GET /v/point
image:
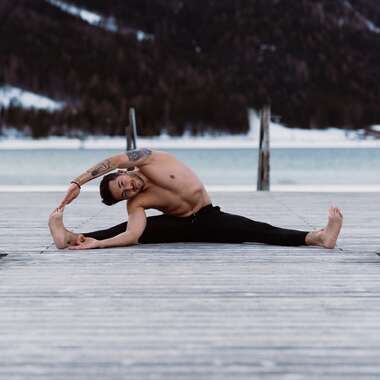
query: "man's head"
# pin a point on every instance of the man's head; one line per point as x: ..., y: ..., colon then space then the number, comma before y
x: 119, y: 186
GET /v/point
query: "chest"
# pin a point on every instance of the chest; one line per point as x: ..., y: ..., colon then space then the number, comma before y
x: 173, y: 177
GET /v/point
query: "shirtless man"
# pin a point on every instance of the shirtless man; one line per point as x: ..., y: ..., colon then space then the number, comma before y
x: 162, y: 182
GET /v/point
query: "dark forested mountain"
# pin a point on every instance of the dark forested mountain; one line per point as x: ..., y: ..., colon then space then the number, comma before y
x: 316, y: 62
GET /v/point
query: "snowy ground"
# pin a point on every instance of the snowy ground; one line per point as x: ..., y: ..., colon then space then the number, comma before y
x: 19, y: 97
x: 280, y: 136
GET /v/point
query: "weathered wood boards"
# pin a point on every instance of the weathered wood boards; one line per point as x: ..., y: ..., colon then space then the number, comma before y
x: 186, y: 311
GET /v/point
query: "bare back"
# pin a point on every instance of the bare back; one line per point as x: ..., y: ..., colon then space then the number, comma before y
x: 174, y: 188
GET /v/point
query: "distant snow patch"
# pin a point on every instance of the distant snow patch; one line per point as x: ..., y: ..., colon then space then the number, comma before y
x: 141, y: 36
x: 92, y: 18
x: 280, y: 134
x: 16, y: 96
x: 95, y: 19
x: 372, y: 27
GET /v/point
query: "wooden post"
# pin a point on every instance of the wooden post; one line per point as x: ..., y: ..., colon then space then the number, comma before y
x: 133, y: 127
x: 131, y: 131
x: 127, y: 129
x: 263, y: 178
x: 128, y: 137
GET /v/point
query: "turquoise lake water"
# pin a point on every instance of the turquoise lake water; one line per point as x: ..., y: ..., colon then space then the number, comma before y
x: 224, y: 167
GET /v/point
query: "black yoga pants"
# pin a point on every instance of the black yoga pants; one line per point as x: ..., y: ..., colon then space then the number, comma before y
x: 208, y: 225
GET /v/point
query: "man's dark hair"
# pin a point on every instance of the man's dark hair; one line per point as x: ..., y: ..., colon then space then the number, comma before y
x: 104, y: 188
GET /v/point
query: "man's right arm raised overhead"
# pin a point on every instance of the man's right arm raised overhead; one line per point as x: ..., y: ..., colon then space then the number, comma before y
x: 128, y: 160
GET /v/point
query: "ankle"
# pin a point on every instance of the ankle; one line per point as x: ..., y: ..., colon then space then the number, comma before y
x: 314, y: 238
x: 72, y: 238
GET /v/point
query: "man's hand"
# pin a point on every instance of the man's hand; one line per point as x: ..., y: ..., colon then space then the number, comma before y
x: 86, y: 243
x: 72, y: 192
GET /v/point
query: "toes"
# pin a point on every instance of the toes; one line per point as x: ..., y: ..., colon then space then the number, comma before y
x: 338, y: 212
x: 335, y: 212
x: 53, y: 214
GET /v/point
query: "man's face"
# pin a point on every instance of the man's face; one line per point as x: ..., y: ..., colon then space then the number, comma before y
x: 125, y: 186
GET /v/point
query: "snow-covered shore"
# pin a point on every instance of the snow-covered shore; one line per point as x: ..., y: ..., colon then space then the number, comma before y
x: 280, y: 136
x: 227, y: 142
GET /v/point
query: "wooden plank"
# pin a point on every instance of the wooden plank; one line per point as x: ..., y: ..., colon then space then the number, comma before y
x: 185, y: 311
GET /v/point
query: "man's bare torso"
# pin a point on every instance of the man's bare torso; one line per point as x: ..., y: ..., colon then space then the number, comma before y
x: 173, y: 188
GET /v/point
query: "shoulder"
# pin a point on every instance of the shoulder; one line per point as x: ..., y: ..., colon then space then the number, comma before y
x: 146, y: 155
x: 144, y: 201
x: 159, y: 155
x: 139, y: 154
x: 135, y: 203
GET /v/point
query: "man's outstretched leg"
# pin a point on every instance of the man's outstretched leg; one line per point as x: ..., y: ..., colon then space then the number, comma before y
x: 328, y: 236
x: 61, y: 236
x: 221, y: 227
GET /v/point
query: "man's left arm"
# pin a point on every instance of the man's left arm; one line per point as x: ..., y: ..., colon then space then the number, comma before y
x: 135, y: 228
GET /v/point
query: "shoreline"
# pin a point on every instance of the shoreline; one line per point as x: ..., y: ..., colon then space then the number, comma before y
x: 330, y: 188
x: 242, y: 143
x: 281, y: 137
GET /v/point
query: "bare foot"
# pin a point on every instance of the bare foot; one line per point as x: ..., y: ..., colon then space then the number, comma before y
x: 61, y: 236
x: 329, y: 235
x: 331, y: 232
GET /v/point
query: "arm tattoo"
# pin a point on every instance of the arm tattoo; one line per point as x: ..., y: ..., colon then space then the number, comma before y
x: 138, y: 154
x: 100, y: 168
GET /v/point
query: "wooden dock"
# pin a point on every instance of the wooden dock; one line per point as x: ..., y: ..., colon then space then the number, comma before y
x: 190, y: 311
